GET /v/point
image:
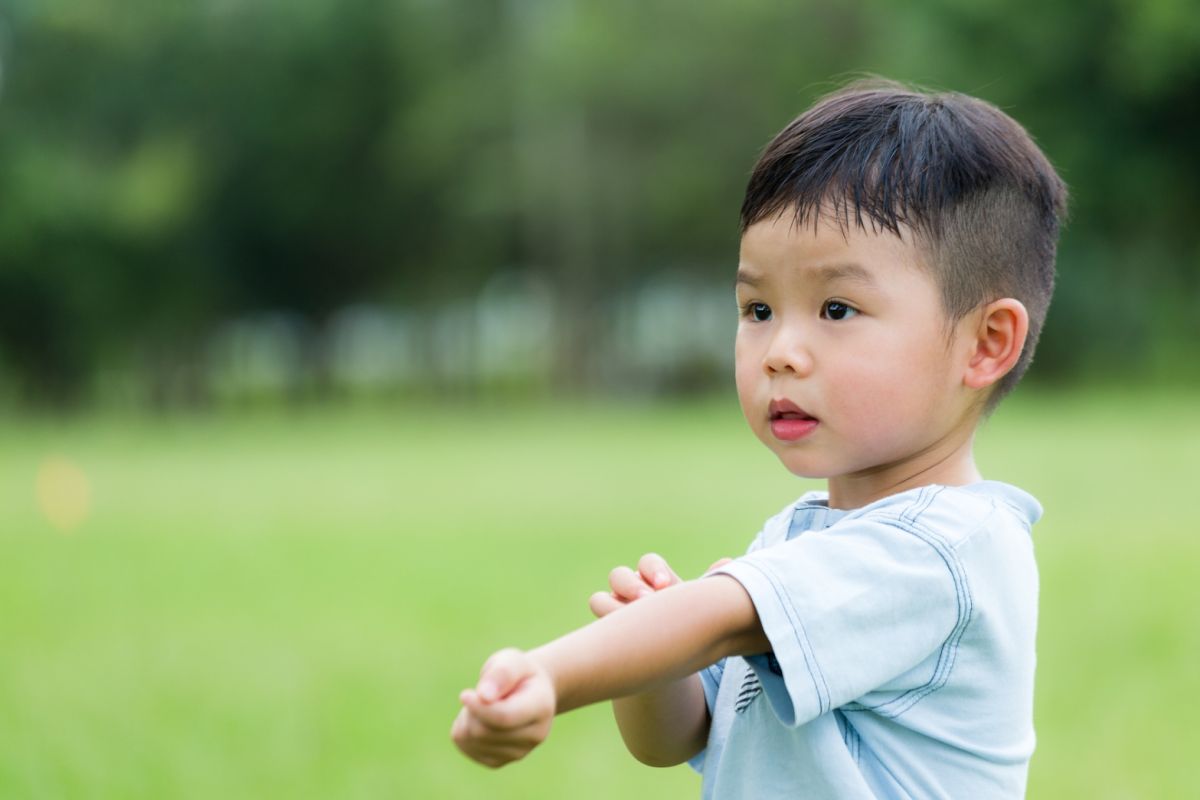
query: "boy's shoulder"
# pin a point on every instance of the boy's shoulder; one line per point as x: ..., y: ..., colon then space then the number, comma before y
x: 951, y: 512
x: 955, y: 511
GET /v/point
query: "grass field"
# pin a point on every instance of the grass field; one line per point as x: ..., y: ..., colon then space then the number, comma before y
x: 286, y: 605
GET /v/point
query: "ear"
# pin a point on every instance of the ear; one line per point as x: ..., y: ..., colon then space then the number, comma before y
x: 997, y: 343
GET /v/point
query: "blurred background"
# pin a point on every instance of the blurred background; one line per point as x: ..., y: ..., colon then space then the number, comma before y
x: 342, y: 343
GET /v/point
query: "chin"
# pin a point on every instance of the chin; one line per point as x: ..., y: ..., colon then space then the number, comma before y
x: 810, y: 471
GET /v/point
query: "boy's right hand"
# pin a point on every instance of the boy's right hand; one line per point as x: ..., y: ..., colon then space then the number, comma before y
x: 509, y: 711
x: 653, y: 574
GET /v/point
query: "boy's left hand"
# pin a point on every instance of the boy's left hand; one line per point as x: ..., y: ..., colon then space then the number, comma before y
x: 653, y: 575
x: 509, y: 711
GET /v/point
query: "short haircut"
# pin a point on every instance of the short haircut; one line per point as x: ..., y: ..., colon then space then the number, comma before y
x: 980, y: 197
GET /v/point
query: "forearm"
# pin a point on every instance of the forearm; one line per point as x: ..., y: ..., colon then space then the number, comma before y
x: 664, y: 726
x: 659, y: 639
x: 647, y: 645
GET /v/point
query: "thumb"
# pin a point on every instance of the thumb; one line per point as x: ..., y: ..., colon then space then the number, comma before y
x: 655, y: 571
x: 502, y: 673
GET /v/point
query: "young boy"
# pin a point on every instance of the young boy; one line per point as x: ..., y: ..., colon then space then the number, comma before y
x: 877, y: 640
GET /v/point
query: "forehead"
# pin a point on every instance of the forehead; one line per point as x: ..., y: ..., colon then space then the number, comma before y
x: 778, y: 248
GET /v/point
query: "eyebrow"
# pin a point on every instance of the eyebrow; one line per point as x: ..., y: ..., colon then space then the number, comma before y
x: 748, y: 278
x: 826, y: 274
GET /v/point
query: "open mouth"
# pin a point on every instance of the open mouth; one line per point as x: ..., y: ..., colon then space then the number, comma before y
x: 789, y: 421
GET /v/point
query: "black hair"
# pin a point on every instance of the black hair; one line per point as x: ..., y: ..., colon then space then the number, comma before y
x: 981, y: 198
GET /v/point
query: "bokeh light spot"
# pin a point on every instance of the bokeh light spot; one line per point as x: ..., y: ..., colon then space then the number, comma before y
x: 64, y: 493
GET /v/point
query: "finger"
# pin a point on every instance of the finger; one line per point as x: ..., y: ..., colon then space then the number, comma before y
x: 482, y: 734
x: 487, y: 754
x: 498, y: 716
x: 602, y: 604
x: 491, y: 747
x: 490, y: 759
x: 477, y: 721
x: 458, y: 730
x: 509, y: 714
x: 470, y: 735
x: 492, y: 659
x: 510, y: 753
x: 477, y: 729
x: 720, y: 562
x: 496, y: 757
x: 656, y: 572
x: 487, y: 664
x: 503, y: 672
x: 627, y: 584
x: 516, y: 742
x: 478, y: 718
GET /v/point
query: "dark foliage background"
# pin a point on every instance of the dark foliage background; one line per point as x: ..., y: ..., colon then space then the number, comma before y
x: 169, y: 169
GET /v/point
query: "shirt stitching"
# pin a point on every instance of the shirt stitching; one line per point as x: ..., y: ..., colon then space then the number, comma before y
x: 810, y: 659
x: 948, y: 652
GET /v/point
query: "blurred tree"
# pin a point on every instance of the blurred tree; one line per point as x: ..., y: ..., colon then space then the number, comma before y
x: 167, y: 166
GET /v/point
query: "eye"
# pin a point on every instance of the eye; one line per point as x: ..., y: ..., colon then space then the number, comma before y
x: 759, y: 312
x: 837, y: 310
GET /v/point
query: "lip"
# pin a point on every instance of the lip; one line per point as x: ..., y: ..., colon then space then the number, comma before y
x: 789, y: 422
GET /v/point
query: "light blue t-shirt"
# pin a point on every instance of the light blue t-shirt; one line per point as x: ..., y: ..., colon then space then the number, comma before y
x: 903, y: 652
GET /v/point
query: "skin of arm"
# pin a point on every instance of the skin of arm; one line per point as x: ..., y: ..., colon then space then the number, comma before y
x: 667, y: 725
x: 664, y: 726
x: 660, y: 640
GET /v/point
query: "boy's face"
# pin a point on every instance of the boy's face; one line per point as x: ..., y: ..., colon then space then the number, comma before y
x: 844, y: 368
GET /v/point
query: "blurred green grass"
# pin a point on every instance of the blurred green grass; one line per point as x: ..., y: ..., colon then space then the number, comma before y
x: 286, y: 604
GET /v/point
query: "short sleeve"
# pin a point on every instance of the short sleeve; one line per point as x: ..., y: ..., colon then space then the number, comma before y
x: 850, y: 608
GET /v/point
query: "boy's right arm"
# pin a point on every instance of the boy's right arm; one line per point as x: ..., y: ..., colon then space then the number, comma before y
x: 667, y: 725
x: 662, y: 639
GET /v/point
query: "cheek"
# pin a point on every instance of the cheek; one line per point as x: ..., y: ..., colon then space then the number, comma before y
x: 879, y: 393
x: 871, y: 402
x: 746, y: 390
x: 746, y: 366
x: 747, y: 374
x: 893, y: 393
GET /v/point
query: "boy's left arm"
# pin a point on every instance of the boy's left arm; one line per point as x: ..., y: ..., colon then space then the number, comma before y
x: 661, y: 638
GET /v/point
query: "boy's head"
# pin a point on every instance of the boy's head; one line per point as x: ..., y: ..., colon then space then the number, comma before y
x: 980, y: 199
x: 896, y: 264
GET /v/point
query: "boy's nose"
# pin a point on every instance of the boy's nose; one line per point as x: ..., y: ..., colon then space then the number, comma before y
x: 787, y: 353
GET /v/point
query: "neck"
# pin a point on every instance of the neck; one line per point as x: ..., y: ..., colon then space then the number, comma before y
x: 949, y: 461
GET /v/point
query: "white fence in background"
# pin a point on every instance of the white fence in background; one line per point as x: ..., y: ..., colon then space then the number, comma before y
x: 663, y: 333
